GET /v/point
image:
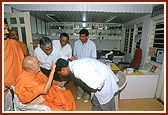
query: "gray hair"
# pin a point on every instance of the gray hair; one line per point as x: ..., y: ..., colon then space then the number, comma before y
x: 45, y: 42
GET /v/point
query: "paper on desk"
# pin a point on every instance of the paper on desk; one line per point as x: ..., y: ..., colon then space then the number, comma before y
x: 114, y: 67
x: 135, y: 73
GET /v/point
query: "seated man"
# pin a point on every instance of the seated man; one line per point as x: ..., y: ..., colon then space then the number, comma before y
x: 32, y: 86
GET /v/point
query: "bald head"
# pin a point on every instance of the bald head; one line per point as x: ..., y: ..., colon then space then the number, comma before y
x: 28, y: 61
x: 31, y: 64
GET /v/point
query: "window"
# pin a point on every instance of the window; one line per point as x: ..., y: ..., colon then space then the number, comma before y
x: 131, y: 40
x: 133, y: 36
x: 138, y: 36
x: 126, y: 40
x: 129, y: 35
x: 13, y: 21
x: 158, y: 38
x: 21, y: 19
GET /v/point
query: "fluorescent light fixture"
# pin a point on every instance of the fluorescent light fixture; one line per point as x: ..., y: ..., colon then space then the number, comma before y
x: 84, y: 16
x: 49, y: 16
x: 83, y: 24
x: 110, y: 18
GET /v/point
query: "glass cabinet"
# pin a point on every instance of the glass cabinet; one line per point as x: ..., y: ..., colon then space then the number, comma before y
x: 95, y: 29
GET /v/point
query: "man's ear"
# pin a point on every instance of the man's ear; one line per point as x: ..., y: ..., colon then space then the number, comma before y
x: 30, y: 67
x: 60, y: 72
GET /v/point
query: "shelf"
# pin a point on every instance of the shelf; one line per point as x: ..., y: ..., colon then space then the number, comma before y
x: 95, y: 29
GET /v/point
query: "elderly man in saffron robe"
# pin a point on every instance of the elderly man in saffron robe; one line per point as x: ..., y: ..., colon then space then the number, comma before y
x: 32, y: 86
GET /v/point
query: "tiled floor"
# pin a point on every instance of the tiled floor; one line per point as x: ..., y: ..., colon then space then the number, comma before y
x: 124, y: 105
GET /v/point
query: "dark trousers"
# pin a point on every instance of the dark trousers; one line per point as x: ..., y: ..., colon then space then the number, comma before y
x: 47, y: 73
x: 96, y: 106
x: 80, y: 83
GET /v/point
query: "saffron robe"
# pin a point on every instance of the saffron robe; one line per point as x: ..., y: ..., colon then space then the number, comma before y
x: 13, y: 57
x: 29, y: 86
x: 24, y: 48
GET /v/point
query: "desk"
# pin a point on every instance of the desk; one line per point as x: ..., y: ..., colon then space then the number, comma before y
x: 140, y: 86
x: 114, y: 68
x: 137, y: 73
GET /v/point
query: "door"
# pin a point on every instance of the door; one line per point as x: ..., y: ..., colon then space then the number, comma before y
x: 20, y: 21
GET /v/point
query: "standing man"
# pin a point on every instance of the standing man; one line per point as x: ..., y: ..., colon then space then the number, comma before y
x: 63, y: 47
x: 13, y: 57
x: 98, y: 76
x: 47, y: 54
x: 84, y: 48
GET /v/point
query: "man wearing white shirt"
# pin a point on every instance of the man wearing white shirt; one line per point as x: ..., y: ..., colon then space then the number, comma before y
x: 47, y: 54
x: 95, y: 74
x: 63, y: 47
x: 84, y: 48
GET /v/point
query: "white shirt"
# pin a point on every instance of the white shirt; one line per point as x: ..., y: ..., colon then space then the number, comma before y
x: 44, y: 59
x: 87, y: 49
x: 63, y: 52
x: 96, y: 75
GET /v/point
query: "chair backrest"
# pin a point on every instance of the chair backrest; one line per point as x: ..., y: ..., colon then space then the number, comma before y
x: 12, y: 104
x: 136, y: 61
x: 122, y: 80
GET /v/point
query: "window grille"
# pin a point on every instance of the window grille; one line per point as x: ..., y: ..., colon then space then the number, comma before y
x: 158, y: 41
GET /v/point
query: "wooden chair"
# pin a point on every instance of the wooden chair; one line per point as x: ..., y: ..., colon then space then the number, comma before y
x: 135, y: 63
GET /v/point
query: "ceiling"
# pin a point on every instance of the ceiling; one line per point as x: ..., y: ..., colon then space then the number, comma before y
x: 93, y: 13
x: 90, y: 16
